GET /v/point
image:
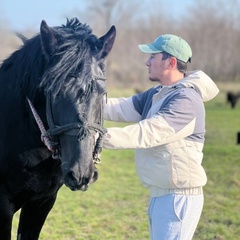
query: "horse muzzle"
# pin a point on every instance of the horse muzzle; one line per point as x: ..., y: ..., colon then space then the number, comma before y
x: 80, y: 182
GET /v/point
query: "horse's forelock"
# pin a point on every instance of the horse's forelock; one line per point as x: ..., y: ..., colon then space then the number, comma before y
x: 73, y: 56
x: 77, y: 26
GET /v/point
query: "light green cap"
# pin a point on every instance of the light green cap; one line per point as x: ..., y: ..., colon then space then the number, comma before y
x: 171, y: 44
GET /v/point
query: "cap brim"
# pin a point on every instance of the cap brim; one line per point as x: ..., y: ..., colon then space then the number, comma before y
x: 148, y: 48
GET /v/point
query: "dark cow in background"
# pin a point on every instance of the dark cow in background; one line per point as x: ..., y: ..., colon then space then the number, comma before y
x: 233, y: 98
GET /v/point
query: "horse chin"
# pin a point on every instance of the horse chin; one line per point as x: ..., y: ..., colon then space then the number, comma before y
x: 78, y: 187
x: 92, y: 180
x: 84, y: 188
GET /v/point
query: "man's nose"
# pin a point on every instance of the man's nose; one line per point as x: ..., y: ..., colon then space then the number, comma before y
x: 148, y: 62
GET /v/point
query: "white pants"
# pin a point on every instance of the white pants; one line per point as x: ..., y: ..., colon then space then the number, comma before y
x: 174, y: 217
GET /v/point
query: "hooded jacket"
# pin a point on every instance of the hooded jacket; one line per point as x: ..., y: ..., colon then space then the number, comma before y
x: 168, y: 134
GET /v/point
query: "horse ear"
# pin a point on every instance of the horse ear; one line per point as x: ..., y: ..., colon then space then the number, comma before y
x: 107, y: 41
x: 48, y: 39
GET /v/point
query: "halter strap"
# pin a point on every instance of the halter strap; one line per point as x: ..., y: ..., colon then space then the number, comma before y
x: 80, y: 129
x: 70, y: 128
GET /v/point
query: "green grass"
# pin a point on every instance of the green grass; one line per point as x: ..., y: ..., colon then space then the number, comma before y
x: 114, y: 208
x: 220, y: 218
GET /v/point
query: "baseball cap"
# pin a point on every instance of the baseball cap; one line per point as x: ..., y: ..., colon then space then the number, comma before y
x: 171, y: 44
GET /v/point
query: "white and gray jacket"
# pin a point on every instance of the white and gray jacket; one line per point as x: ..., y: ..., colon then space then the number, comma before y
x: 169, y: 133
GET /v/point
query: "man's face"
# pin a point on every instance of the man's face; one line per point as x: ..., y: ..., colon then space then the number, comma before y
x: 157, y: 67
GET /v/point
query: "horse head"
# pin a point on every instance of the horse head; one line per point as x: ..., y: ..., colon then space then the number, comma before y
x: 74, y: 84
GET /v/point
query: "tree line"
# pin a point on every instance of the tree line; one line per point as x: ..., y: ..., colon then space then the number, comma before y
x: 210, y: 26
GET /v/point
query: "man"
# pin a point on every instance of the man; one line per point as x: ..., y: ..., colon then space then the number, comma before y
x: 168, y: 137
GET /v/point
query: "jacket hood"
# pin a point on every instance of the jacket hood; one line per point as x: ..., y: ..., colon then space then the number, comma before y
x: 202, y: 83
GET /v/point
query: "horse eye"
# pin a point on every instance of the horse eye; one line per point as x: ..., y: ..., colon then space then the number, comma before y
x: 72, y: 75
x: 102, y: 66
x: 81, y: 90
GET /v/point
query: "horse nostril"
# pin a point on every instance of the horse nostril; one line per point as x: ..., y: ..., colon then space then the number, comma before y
x: 77, y: 181
x: 71, y: 176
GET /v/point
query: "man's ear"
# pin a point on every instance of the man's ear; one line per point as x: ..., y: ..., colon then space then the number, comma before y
x: 172, y: 63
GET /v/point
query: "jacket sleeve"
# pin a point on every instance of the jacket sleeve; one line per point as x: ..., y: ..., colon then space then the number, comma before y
x: 175, y: 121
x: 120, y: 110
x: 147, y: 133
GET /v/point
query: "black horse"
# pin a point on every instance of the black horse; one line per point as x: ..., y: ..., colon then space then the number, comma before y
x: 59, y: 73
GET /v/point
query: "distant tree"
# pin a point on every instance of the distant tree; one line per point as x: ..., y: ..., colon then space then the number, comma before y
x: 214, y: 37
x: 101, y: 14
x: 104, y: 13
x: 211, y: 27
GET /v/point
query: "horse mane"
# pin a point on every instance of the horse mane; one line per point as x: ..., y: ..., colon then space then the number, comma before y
x: 68, y: 68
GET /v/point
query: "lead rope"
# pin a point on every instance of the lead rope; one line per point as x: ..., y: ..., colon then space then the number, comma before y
x: 44, y: 134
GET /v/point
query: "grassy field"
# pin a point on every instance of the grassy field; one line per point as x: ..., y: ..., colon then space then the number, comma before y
x: 114, y: 208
